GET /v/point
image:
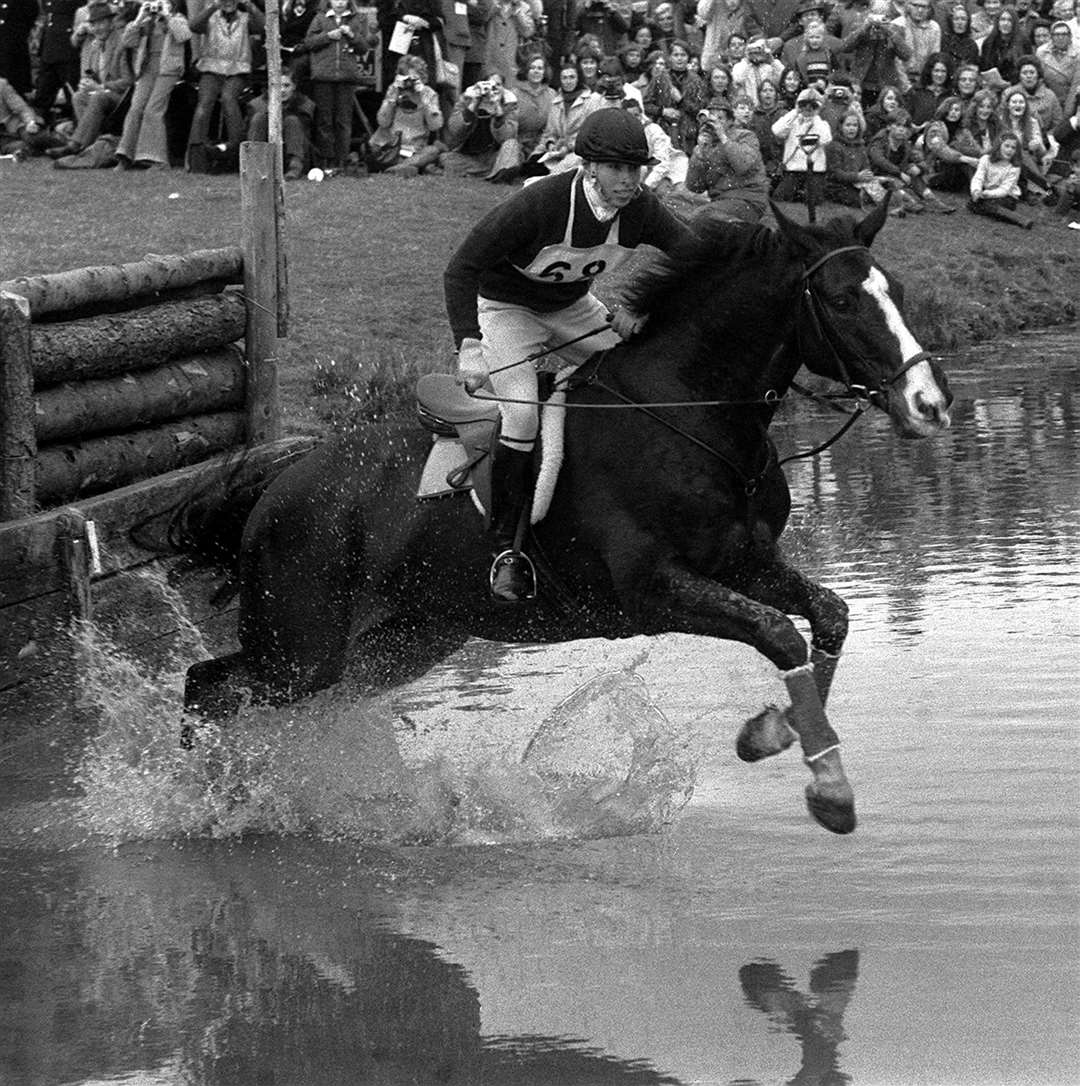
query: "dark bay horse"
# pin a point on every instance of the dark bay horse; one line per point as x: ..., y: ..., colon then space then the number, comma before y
x: 663, y: 519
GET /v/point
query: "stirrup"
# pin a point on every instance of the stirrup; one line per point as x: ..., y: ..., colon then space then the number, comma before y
x: 521, y: 573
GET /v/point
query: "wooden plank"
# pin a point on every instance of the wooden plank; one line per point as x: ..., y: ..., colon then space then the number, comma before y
x: 107, y: 346
x: 210, y: 381
x: 28, y: 563
x: 68, y: 290
x: 18, y: 447
x: 260, y: 289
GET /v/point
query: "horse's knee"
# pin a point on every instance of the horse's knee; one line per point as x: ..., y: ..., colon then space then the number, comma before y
x: 831, y: 625
x: 782, y: 643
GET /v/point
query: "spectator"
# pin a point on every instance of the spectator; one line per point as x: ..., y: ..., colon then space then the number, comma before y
x: 966, y: 82
x: 297, y: 113
x: 1040, y: 34
x: 839, y: 101
x: 157, y: 40
x: 22, y: 132
x: 1026, y: 20
x: 1067, y: 138
x: 680, y: 119
x: 633, y: 64
x: 810, y: 55
x: 720, y: 84
x: 643, y: 37
x: 1068, y: 190
x: 1003, y: 47
x: 410, y: 119
x: 423, y: 19
x: 848, y: 177
x: 560, y: 28
x: 722, y: 18
x: 981, y: 123
x: 1036, y: 152
x: 995, y: 185
x: 224, y: 66
x: 726, y: 164
x: 1041, y: 98
x: 805, y: 136
x: 792, y: 36
x: 1065, y: 11
x: 58, y: 59
x: 984, y: 18
x: 611, y: 86
x: 888, y: 105
x: 510, y: 24
x: 337, y: 39
x: 949, y: 157
x: 735, y: 51
x: 791, y: 86
x: 296, y: 17
x: 893, y: 158
x: 755, y: 68
x: 1060, y: 61
x: 609, y: 20
x: 458, y: 34
x: 660, y: 175
x: 765, y: 115
x: 873, y: 49
x: 573, y: 103
x: 935, y: 85
x: 922, y: 37
x: 482, y: 133
x: 588, y: 64
x: 535, y: 99
x: 106, y: 79
x: 956, y: 40
x: 17, y: 19
x: 664, y: 26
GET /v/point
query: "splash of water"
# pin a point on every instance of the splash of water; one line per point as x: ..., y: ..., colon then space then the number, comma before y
x: 603, y: 762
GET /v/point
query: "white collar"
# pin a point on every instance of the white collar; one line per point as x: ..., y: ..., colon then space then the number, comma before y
x: 601, y: 210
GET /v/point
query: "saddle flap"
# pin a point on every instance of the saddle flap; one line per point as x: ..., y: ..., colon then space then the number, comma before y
x: 442, y: 397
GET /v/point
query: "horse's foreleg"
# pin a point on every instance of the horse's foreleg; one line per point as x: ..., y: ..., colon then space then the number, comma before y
x: 691, y: 603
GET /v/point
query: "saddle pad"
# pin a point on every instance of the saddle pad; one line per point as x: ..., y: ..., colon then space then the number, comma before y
x: 447, y: 455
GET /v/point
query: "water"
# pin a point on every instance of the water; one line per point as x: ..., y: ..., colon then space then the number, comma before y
x: 451, y: 884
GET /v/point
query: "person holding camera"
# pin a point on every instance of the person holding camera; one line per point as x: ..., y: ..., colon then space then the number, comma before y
x: 482, y: 133
x: 872, y: 48
x: 157, y: 36
x: 224, y: 66
x: 607, y: 20
x: 727, y: 165
x: 410, y: 118
x: 757, y: 67
x: 519, y: 283
x: 805, y: 134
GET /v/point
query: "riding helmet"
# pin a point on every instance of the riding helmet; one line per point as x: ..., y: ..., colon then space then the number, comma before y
x: 612, y: 135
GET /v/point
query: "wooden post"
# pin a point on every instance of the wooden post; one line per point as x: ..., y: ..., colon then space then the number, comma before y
x: 259, y: 222
x: 273, y: 99
x: 18, y: 446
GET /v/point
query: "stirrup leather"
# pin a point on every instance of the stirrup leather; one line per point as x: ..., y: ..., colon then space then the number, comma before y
x: 520, y: 566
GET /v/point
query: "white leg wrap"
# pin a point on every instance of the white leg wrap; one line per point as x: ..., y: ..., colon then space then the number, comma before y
x: 821, y: 754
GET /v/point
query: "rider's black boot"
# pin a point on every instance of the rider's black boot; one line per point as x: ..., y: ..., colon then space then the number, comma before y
x: 512, y: 577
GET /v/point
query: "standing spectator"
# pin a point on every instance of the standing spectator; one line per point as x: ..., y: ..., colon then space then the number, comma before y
x: 296, y: 16
x: 1060, y: 61
x: 535, y: 97
x: 510, y: 23
x: 873, y: 49
x: 995, y: 185
x: 297, y: 114
x: 805, y: 136
x: 482, y: 133
x: 424, y: 20
x: 224, y: 66
x: 607, y: 20
x: 106, y: 79
x: 1041, y: 98
x: 721, y: 18
x: 665, y: 29
x: 922, y: 36
x: 956, y: 40
x: 720, y: 84
x: 411, y: 115
x: 791, y: 86
x: 984, y: 18
x: 1003, y: 47
x: 17, y: 18
x: 559, y: 15
x: 810, y: 55
x: 726, y: 164
x: 677, y: 95
x: 848, y: 176
x: 633, y: 64
x: 966, y: 82
x: 458, y: 35
x: 948, y: 158
x: 336, y: 40
x: 755, y: 68
x: 157, y: 40
x: 58, y: 59
x: 934, y: 86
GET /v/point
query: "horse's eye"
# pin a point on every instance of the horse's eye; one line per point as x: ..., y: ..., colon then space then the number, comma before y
x: 842, y: 303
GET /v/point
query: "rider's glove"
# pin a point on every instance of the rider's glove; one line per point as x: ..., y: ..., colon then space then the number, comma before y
x: 626, y: 323
x: 471, y: 368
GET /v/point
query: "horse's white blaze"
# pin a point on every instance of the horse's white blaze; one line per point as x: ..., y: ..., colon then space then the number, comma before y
x: 918, y: 384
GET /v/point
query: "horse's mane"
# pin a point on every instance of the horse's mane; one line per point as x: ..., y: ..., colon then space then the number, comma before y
x: 731, y: 246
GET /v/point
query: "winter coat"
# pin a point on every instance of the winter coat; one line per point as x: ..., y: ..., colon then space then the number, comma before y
x: 791, y: 128
x: 509, y: 24
x: 845, y: 159
x: 473, y: 132
x: 731, y: 168
x: 892, y: 161
x: 563, y: 124
x: 109, y: 61
x: 174, y: 32
x: 720, y: 24
x: 872, y: 50
x: 922, y: 40
x: 338, y: 60
x: 994, y: 180
x: 534, y: 109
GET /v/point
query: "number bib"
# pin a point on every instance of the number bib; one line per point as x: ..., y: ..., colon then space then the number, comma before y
x: 567, y: 263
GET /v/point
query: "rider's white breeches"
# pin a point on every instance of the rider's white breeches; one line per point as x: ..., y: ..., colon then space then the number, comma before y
x: 512, y: 332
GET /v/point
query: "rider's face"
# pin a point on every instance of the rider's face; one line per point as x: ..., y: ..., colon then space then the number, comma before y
x: 618, y: 181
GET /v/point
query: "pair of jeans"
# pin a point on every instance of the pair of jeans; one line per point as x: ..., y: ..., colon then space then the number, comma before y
x: 333, y: 122
x: 228, y: 89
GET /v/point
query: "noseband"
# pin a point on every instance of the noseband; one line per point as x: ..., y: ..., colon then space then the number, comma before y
x: 815, y: 312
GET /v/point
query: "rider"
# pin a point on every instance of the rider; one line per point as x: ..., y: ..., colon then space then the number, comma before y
x: 519, y: 284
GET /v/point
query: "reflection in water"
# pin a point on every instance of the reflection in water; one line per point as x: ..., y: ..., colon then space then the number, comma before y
x: 816, y: 1019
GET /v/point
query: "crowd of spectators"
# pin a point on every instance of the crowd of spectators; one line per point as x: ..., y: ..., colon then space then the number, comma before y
x: 848, y: 101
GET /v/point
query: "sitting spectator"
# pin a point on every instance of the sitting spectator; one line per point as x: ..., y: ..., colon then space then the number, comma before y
x: 611, y: 86
x: 337, y: 39
x: 1003, y: 48
x: 726, y: 164
x: 482, y: 133
x: 572, y: 105
x: 949, y: 155
x: 224, y: 66
x: 1060, y: 60
x: 966, y: 82
x: 1067, y: 138
x: 840, y: 99
x: 1068, y: 190
x: 981, y: 124
x: 791, y: 86
x: 720, y: 84
x: 297, y: 112
x: 879, y: 115
x: 588, y: 65
x: 1040, y: 97
x: 632, y: 58
x: 107, y: 77
x: 755, y: 68
x: 409, y: 119
x: 22, y: 132
x: 995, y: 185
x: 934, y: 86
x: 895, y: 160
x: 691, y: 97
x: 1037, y: 151
x: 535, y: 98
x: 848, y: 177
x: 768, y: 112
x: 956, y: 41
x: 659, y: 175
x: 984, y: 18
x: 805, y: 136
x: 509, y: 25
x: 157, y: 39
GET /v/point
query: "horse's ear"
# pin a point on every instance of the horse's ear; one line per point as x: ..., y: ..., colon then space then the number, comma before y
x: 867, y: 230
x: 794, y: 233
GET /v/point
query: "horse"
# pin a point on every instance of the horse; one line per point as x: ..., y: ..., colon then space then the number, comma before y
x: 665, y: 517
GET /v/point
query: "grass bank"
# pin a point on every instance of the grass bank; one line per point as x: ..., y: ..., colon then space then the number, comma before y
x: 366, y: 259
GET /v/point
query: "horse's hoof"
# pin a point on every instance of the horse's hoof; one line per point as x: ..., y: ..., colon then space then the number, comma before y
x: 764, y: 735
x: 832, y: 808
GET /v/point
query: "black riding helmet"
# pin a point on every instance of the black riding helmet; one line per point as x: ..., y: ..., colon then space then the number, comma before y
x: 612, y: 135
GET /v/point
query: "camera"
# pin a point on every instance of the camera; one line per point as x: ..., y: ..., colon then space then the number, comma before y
x: 154, y: 7
x: 809, y: 141
x: 483, y: 88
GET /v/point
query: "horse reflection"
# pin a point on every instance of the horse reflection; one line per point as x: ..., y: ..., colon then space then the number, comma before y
x: 816, y: 1019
